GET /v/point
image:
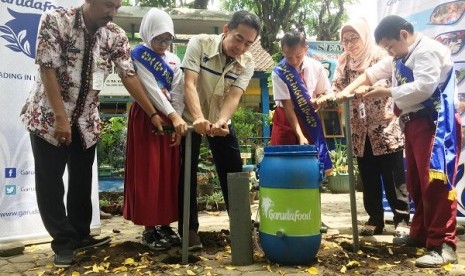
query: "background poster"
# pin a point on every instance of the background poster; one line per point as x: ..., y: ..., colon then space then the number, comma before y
x: 445, y: 22
x: 19, y: 216
x: 327, y: 52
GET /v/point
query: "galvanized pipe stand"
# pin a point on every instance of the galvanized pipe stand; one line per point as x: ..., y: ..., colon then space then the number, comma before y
x: 186, y: 197
x: 350, y: 161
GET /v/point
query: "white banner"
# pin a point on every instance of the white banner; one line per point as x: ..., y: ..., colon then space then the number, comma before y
x: 19, y: 216
x: 444, y: 21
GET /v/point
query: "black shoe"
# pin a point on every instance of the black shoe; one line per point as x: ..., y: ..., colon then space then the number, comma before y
x: 65, y: 259
x: 194, y: 241
x: 168, y: 234
x: 90, y: 242
x: 153, y: 240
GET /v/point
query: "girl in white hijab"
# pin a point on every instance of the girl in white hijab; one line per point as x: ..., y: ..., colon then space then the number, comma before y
x: 153, y: 158
x: 377, y: 140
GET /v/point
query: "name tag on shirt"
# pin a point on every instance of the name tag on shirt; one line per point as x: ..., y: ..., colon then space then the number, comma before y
x: 361, y: 111
x: 97, y: 80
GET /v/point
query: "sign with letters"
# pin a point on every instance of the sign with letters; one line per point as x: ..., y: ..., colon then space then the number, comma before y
x: 19, y: 216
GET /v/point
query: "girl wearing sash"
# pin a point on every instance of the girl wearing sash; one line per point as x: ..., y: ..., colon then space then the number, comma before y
x: 423, y: 93
x: 297, y: 81
x: 153, y: 156
x: 377, y: 140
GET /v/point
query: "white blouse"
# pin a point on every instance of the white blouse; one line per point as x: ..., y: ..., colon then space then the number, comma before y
x: 166, y: 103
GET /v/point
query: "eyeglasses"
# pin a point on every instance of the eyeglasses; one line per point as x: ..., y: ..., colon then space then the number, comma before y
x: 168, y: 41
x: 352, y: 40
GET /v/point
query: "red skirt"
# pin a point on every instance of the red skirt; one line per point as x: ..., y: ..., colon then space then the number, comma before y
x: 282, y: 132
x: 152, y: 173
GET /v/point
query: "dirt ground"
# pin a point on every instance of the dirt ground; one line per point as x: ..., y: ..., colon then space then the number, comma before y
x: 335, y: 257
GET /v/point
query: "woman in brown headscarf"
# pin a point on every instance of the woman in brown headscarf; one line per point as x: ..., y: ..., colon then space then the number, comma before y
x: 376, y: 136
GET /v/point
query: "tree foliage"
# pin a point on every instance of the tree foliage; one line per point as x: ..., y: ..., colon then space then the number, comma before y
x: 158, y: 3
x: 196, y: 4
x: 321, y: 18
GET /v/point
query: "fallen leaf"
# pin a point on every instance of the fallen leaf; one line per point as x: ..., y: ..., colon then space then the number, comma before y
x: 203, y: 258
x: 229, y: 267
x: 190, y: 272
x: 386, y: 266
x: 40, y: 273
x: 390, y: 251
x: 343, y: 269
x: 448, y: 267
x: 129, y: 261
x: 353, y: 264
x: 119, y: 269
x: 420, y: 252
x: 360, y: 252
x: 312, y: 270
x: 75, y: 273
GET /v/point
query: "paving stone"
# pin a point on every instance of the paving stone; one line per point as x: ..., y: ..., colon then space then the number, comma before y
x: 11, y: 249
x: 260, y: 273
x: 21, y: 258
x: 225, y: 272
x: 300, y: 274
x: 3, y: 261
x: 251, y: 268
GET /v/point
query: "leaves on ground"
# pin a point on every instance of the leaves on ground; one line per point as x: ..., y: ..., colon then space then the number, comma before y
x: 335, y: 257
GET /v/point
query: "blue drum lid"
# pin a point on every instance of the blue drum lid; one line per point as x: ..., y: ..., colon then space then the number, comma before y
x: 291, y: 150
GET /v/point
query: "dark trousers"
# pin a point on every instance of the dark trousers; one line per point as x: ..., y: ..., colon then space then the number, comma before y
x: 227, y: 159
x: 376, y: 172
x: 67, y: 224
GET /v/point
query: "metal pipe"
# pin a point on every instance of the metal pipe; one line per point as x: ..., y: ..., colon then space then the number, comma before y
x: 186, y: 199
x: 350, y: 161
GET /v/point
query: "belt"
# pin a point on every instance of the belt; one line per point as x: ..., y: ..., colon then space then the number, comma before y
x: 422, y: 113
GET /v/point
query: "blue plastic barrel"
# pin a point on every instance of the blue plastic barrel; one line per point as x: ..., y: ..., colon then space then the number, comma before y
x: 290, y: 212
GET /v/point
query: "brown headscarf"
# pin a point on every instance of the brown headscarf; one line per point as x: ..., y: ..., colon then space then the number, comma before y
x: 360, y: 62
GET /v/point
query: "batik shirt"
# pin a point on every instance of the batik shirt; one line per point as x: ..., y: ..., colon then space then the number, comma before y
x: 376, y: 121
x: 64, y: 43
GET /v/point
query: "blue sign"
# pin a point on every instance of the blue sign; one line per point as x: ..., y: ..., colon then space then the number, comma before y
x: 10, y: 189
x: 10, y: 172
x: 21, y: 32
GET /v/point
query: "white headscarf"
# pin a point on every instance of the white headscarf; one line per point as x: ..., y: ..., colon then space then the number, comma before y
x: 361, y: 61
x: 155, y: 23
